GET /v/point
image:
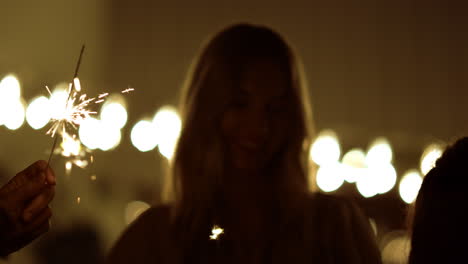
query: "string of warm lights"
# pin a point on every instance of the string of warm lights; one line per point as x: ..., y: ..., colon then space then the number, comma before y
x: 371, y: 171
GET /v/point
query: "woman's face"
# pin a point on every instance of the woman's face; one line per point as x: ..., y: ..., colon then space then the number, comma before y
x: 255, y: 124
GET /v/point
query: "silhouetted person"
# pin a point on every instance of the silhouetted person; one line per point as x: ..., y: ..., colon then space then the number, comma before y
x: 241, y: 163
x: 24, y: 210
x: 440, y: 225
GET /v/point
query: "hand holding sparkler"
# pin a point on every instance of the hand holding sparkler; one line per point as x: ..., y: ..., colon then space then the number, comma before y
x: 24, y: 211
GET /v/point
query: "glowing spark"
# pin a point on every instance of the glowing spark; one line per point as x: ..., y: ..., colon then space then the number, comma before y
x: 128, y: 90
x: 93, y: 177
x: 68, y: 166
x: 74, y: 113
x: 48, y: 90
x: 216, y: 232
x: 77, y: 83
x: 78, y: 200
x: 66, y: 122
x: 70, y: 145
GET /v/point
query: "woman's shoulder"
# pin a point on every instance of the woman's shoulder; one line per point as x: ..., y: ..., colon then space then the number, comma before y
x: 341, y: 224
x: 329, y: 203
x: 139, y: 242
x: 155, y: 215
x: 336, y: 210
x: 155, y: 219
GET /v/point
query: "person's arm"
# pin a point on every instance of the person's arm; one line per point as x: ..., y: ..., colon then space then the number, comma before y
x: 24, y: 210
x: 141, y: 241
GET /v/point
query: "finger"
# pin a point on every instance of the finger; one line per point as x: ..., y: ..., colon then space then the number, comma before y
x: 43, y: 165
x: 50, y: 176
x: 28, y: 237
x: 38, y: 221
x: 28, y: 183
x: 31, y: 231
x: 38, y: 203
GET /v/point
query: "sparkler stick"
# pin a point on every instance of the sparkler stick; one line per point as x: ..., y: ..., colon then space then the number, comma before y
x: 69, y: 95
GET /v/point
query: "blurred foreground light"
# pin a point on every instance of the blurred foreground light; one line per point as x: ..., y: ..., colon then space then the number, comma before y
x: 89, y: 132
x: 114, y: 114
x: 143, y: 136
x: 429, y: 157
x: 168, y: 126
x: 409, y: 186
x: 134, y: 209
x: 329, y: 177
x: 397, y: 249
x: 379, y: 152
x: 354, y: 164
x: 14, y: 118
x: 326, y: 148
x: 37, y: 113
x: 373, y: 225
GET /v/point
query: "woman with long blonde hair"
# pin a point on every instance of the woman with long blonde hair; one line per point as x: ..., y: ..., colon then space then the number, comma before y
x: 239, y: 189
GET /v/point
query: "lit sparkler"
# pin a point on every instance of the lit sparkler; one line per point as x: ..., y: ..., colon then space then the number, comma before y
x: 128, y: 90
x: 65, y: 123
x: 62, y: 120
x: 216, y: 232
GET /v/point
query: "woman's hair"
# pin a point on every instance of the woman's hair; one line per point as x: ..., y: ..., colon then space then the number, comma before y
x: 440, y: 230
x: 198, y: 165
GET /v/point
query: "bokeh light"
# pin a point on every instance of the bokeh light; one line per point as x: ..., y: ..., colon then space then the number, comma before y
x: 168, y: 126
x: 109, y: 136
x: 354, y: 164
x: 114, y: 114
x: 386, y: 177
x: 368, y: 184
x: 95, y: 134
x: 58, y: 101
x: 89, y: 131
x: 143, y: 136
x: 330, y: 177
x: 326, y: 148
x: 15, y: 115
x: 10, y: 88
x: 11, y: 103
x: 134, y: 209
x: 429, y: 157
x: 38, y: 113
x: 397, y: 247
x: 379, y: 152
x: 409, y: 186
